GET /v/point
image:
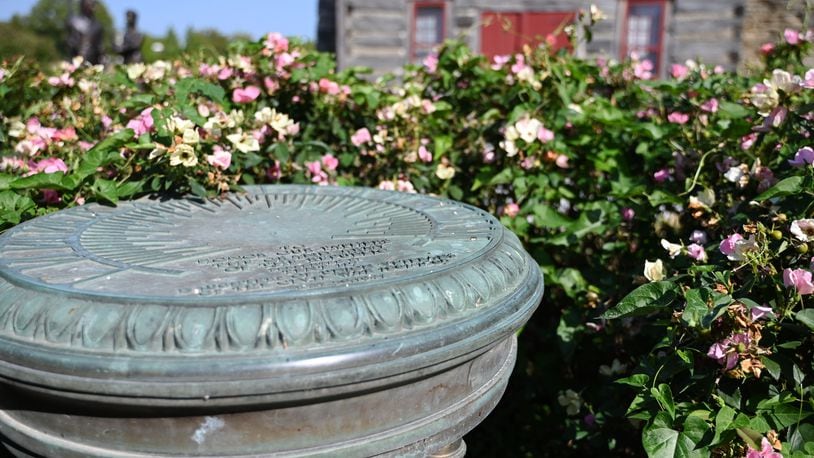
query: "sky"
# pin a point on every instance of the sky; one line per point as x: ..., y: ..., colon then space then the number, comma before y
x: 255, y: 17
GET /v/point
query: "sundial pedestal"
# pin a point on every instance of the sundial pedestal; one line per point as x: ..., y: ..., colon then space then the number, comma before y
x: 286, y: 321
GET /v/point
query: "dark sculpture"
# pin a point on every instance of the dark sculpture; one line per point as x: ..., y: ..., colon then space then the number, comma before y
x: 130, y: 48
x: 85, y: 33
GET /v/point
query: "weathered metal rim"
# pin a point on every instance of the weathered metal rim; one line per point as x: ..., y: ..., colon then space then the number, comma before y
x: 462, y: 417
x: 280, y: 378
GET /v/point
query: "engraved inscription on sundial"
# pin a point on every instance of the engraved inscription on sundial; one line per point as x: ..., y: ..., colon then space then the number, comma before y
x: 265, y: 242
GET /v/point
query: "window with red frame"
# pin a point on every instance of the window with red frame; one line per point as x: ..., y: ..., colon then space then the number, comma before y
x: 506, y: 32
x: 428, y: 28
x: 644, y: 30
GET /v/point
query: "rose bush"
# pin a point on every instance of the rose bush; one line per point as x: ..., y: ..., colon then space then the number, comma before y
x: 672, y: 217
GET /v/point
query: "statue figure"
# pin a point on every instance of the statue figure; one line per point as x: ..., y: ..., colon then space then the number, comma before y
x: 85, y: 33
x: 131, y: 44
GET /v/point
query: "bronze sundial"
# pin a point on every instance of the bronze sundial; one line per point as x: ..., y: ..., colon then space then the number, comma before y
x: 285, y: 303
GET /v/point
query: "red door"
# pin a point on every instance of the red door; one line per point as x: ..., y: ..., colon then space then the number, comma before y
x: 506, y: 33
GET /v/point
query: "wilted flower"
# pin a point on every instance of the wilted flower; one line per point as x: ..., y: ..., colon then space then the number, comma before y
x: 803, y: 229
x: 726, y: 352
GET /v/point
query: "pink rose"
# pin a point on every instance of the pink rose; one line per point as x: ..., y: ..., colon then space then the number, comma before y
x: 330, y: 162
x: 276, y: 42
x: 710, y: 106
x: 697, y: 252
x: 767, y: 48
x: 661, y: 175
x: 511, y: 210
x: 220, y: 159
x: 361, y: 137
x: 245, y: 95
x: 758, y: 311
x: 679, y: 71
x: 628, y: 214
x: 51, y: 165
x: 143, y: 123
x: 800, y: 279
x: 329, y: 87
x: 66, y: 134
x: 766, y: 451
x: 792, y: 36
x: 748, y: 140
x: 544, y: 135
x: 728, y: 246
x: 803, y: 157
x: 424, y: 154
x: 431, y: 63
x: 678, y: 117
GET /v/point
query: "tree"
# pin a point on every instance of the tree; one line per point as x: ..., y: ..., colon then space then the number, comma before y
x: 208, y: 40
x: 47, y: 19
x: 161, y: 48
x: 25, y: 43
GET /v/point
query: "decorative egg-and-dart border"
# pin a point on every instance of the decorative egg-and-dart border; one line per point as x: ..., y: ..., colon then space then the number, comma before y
x: 76, y: 323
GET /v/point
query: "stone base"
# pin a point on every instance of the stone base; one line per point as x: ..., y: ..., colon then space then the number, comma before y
x: 423, y: 418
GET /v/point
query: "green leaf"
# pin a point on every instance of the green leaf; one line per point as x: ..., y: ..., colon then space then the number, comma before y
x: 661, y: 441
x: 5, y: 181
x: 545, y: 216
x: 806, y: 317
x: 696, y: 307
x: 13, y: 206
x: 106, y: 190
x: 644, y: 299
x: 732, y: 110
x: 189, y: 85
x: 103, y: 153
x: 772, y: 366
x: 197, y: 188
x: 659, y: 197
x: 638, y: 380
x: 785, y: 415
x: 784, y: 187
x: 802, y: 435
x: 503, y: 177
x: 655, y: 131
x: 442, y: 145
x: 455, y: 192
x: 130, y: 188
x: 723, y: 420
x: 40, y: 181
x: 664, y: 396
